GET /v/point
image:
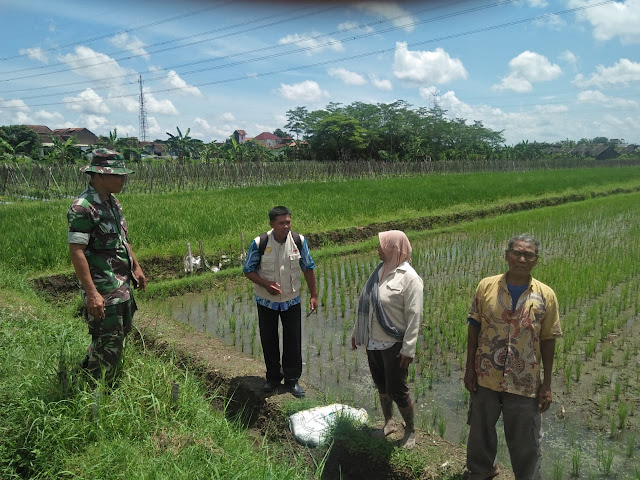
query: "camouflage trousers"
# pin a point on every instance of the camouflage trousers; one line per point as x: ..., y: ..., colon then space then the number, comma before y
x: 107, y: 339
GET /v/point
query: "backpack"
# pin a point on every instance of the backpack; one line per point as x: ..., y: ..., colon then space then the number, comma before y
x: 264, y: 237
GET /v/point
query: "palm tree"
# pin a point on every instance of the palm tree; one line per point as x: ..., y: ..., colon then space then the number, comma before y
x: 63, y: 151
x: 182, y: 145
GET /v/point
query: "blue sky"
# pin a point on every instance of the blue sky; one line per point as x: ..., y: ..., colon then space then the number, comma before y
x: 542, y: 70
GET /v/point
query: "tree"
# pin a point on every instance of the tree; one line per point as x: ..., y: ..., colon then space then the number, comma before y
x: 280, y: 133
x: 22, y: 139
x: 338, y: 137
x: 64, y: 151
x: 297, y: 121
x: 182, y: 145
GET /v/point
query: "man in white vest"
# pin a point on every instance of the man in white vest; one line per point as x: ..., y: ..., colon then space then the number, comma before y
x: 273, y: 264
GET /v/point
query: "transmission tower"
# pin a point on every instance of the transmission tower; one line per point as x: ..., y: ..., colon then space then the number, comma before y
x: 142, y: 117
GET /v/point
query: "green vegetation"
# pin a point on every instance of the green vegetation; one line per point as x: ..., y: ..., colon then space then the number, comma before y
x: 162, y: 224
x: 134, y: 431
x: 588, y: 257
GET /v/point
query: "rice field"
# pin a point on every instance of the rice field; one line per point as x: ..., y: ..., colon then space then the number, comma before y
x: 161, y: 224
x: 589, y: 255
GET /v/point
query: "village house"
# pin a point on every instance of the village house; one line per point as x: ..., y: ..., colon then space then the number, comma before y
x: 267, y: 139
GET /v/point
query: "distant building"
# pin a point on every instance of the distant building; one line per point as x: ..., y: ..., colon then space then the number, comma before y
x: 267, y: 139
x: 240, y: 136
x: 42, y: 131
x: 159, y: 149
x: 603, y: 152
x: 84, y: 137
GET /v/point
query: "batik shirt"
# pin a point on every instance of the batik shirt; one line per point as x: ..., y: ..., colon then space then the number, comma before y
x: 508, y: 356
x: 101, y: 226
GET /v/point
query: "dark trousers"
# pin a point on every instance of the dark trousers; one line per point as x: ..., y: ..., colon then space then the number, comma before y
x: 291, y: 343
x: 390, y: 378
x: 522, y: 429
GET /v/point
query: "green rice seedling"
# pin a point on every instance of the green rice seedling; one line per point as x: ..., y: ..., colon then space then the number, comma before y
x: 607, y: 354
x: 614, y: 427
x: 622, y: 415
x: 567, y: 376
x: 605, y: 461
x: 557, y: 469
x: 630, y: 446
x: 617, y: 389
x: 442, y: 426
x: 601, y: 406
x: 576, y: 462
x: 577, y: 369
x: 590, y: 347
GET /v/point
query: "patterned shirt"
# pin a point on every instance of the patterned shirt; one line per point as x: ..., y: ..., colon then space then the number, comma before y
x: 252, y: 264
x: 508, y: 355
x: 102, y: 228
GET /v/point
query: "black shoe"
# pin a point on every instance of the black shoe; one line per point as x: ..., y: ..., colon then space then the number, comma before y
x: 269, y: 386
x: 295, y: 389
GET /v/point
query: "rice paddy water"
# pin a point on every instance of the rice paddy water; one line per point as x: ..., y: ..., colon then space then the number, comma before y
x: 589, y: 256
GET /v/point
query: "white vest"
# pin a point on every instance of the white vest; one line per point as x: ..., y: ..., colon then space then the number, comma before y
x: 279, y: 263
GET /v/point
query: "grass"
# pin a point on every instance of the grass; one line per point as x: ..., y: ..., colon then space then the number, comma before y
x: 161, y: 224
x: 137, y: 432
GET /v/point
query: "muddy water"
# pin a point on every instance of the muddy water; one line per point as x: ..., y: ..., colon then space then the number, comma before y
x: 331, y: 366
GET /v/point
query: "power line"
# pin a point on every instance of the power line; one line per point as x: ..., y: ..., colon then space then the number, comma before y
x: 357, y: 37
x: 327, y: 62
x: 128, y: 30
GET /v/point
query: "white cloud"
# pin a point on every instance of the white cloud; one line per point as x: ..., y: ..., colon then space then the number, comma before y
x: 527, y: 68
x: 568, y: 56
x: 553, y: 22
x: 354, y: 26
x: 86, y: 102
x: 615, y: 19
x: 48, y: 117
x: 35, y: 53
x: 227, y: 117
x: 429, y: 92
x: 621, y: 72
x: 127, y: 103
x: 131, y: 43
x: 347, y: 76
x: 597, y: 97
x: 93, y: 122
x: 435, y: 67
x: 380, y: 83
x: 392, y: 11
x: 537, y: 3
x: 125, y: 130
x: 155, y: 130
x: 313, y: 45
x: 307, y: 91
x: 162, y: 107
x: 202, y: 129
x: 91, y: 64
x: 173, y: 80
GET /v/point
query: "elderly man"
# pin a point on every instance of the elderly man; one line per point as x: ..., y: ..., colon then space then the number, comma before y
x: 513, y: 324
x: 104, y: 262
x: 273, y: 264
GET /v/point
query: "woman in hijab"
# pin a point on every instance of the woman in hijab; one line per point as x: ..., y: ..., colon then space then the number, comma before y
x: 388, y: 323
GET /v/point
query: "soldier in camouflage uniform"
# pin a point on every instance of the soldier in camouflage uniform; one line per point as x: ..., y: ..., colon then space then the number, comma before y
x: 104, y: 262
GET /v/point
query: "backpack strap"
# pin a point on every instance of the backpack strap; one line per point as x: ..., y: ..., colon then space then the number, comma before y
x: 264, y: 237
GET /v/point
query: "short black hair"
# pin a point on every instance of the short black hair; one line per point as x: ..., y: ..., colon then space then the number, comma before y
x: 277, y: 211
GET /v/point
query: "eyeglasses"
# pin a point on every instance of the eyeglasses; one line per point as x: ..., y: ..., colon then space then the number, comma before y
x: 529, y: 256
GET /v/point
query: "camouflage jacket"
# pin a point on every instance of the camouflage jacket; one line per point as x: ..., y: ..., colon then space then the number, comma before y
x: 102, y: 228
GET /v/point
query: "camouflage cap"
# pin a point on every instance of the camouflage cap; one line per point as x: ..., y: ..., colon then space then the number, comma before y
x: 107, y: 161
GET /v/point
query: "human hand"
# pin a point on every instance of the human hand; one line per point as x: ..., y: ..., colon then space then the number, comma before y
x: 273, y: 288
x: 353, y: 344
x: 544, y: 398
x: 95, y: 305
x: 140, y: 278
x: 471, y: 380
x: 313, y: 304
x: 404, y: 360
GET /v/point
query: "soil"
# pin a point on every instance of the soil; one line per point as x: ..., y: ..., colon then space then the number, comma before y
x: 238, y: 381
